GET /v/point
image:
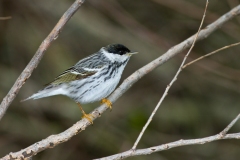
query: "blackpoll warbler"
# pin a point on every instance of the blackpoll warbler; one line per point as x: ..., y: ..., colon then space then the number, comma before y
x: 91, y: 79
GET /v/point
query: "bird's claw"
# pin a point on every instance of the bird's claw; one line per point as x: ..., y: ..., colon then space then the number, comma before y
x: 107, y: 102
x: 89, y: 117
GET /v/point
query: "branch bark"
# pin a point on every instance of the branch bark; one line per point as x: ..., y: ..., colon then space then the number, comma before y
x: 54, y: 140
x: 37, y: 57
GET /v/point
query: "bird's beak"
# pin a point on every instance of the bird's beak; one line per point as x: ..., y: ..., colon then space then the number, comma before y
x: 132, y: 53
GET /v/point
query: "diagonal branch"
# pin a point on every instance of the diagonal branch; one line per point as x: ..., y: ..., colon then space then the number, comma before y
x: 225, y: 131
x: 54, y: 140
x: 211, y: 53
x: 172, y: 52
x: 37, y: 57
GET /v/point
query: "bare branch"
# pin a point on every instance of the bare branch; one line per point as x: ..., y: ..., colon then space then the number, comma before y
x: 54, y: 140
x: 224, y: 132
x: 170, y: 84
x: 37, y: 57
x: 211, y: 53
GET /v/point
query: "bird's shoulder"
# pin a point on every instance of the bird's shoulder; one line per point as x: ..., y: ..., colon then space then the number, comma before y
x: 76, y: 73
x: 82, y: 69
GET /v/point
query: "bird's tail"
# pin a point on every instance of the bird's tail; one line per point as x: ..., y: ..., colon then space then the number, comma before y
x: 46, y: 92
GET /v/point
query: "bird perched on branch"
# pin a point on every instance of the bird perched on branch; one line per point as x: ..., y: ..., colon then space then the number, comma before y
x: 91, y: 79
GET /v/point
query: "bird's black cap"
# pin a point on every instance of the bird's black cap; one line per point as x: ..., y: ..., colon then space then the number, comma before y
x: 117, y: 49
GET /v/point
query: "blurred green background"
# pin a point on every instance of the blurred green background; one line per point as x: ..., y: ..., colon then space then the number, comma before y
x: 201, y: 103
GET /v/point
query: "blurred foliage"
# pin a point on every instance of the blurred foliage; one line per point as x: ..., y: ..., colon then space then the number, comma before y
x: 201, y: 103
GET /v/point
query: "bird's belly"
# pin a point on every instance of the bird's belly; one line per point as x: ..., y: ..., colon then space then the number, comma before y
x: 92, y: 92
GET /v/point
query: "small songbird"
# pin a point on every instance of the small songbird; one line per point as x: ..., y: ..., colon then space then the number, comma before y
x: 91, y: 79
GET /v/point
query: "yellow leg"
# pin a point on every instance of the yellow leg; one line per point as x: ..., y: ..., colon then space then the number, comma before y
x: 87, y: 116
x: 107, y: 102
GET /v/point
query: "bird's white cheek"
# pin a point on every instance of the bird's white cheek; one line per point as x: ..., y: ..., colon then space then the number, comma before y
x: 115, y: 57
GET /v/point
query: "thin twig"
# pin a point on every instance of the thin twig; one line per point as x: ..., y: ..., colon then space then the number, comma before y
x: 37, y: 57
x: 170, y: 84
x: 224, y: 132
x: 57, y: 139
x: 211, y: 53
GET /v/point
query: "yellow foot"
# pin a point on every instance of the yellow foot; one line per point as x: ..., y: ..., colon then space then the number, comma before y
x: 107, y: 102
x: 88, y: 117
